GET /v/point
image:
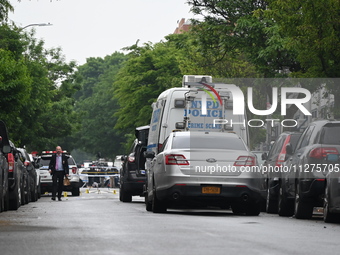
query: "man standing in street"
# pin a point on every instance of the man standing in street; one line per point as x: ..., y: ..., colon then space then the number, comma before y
x: 59, y: 168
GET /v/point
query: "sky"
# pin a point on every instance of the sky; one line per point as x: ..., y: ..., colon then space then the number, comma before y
x: 97, y: 28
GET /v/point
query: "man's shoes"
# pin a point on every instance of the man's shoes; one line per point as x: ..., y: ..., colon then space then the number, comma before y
x: 53, y: 198
x: 59, y: 199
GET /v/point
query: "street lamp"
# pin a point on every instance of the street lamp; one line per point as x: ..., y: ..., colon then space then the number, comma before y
x: 38, y: 24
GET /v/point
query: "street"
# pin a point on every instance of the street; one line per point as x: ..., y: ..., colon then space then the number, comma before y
x: 96, y: 222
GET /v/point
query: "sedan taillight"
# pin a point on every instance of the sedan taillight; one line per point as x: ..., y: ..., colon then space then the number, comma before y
x: 245, y: 161
x: 320, y: 153
x: 10, y: 159
x: 175, y: 159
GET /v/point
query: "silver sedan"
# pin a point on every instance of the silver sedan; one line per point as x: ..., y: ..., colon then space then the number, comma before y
x: 204, y: 169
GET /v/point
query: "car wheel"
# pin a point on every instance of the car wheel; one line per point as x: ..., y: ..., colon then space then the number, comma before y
x: 28, y: 193
x: 271, y: 203
x: 237, y: 209
x: 34, y: 193
x: 124, y: 196
x: 39, y: 191
x: 2, y: 197
x: 15, y: 200
x: 253, y: 209
x: 303, y: 209
x: 6, y: 201
x: 329, y: 217
x: 148, y: 205
x: 23, y: 192
x: 75, y: 192
x: 158, y: 206
x: 285, y: 206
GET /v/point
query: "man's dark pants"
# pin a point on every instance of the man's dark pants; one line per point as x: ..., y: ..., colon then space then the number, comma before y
x: 58, y: 184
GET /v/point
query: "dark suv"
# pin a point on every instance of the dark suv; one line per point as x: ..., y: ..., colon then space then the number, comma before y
x: 4, y: 150
x: 304, y: 183
x: 132, y: 174
x: 32, y: 190
x: 273, y: 164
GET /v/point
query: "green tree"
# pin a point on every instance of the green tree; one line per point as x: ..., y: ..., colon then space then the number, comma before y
x: 38, y: 87
x: 150, y: 70
x: 97, y: 106
x: 5, y: 8
x: 231, y: 28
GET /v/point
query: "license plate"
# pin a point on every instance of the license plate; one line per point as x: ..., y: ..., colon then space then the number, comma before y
x: 211, y: 190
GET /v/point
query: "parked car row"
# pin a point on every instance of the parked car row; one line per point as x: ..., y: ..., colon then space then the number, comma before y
x: 18, y: 176
x: 309, y: 174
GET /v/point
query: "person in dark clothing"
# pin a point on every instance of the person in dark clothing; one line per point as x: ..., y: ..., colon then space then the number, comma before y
x: 58, y: 168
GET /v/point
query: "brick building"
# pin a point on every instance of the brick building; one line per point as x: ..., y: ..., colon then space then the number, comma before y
x: 183, y: 26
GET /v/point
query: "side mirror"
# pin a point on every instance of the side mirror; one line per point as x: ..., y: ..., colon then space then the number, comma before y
x: 264, y: 156
x: 289, y: 149
x: 149, y: 154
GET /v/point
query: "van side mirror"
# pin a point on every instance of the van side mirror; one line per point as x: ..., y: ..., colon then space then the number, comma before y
x: 149, y: 154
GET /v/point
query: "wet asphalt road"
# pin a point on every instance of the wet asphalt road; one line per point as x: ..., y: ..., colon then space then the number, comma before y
x: 98, y: 223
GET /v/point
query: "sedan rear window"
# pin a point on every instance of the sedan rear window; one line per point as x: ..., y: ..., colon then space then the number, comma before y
x: 207, y: 142
x: 45, y: 161
x: 330, y: 135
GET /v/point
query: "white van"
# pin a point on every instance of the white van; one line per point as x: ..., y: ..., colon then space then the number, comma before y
x: 199, y: 105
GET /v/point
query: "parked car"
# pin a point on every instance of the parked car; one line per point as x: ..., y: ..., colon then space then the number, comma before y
x: 331, y: 205
x: 5, y: 149
x: 132, y: 175
x: 32, y: 194
x: 17, y: 185
x: 273, y: 164
x: 202, y: 169
x: 32, y: 159
x: 43, y: 162
x: 305, y: 182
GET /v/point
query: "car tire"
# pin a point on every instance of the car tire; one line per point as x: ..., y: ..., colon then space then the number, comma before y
x: 124, y: 196
x: 148, y: 205
x: 6, y: 201
x: 253, y: 209
x: 158, y: 206
x: 34, y: 193
x: 2, y: 197
x: 329, y: 217
x: 238, y: 208
x: 23, y: 192
x: 302, y: 209
x: 28, y: 194
x: 39, y: 190
x: 15, y: 197
x: 271, y: 203
x: 285, y: 205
